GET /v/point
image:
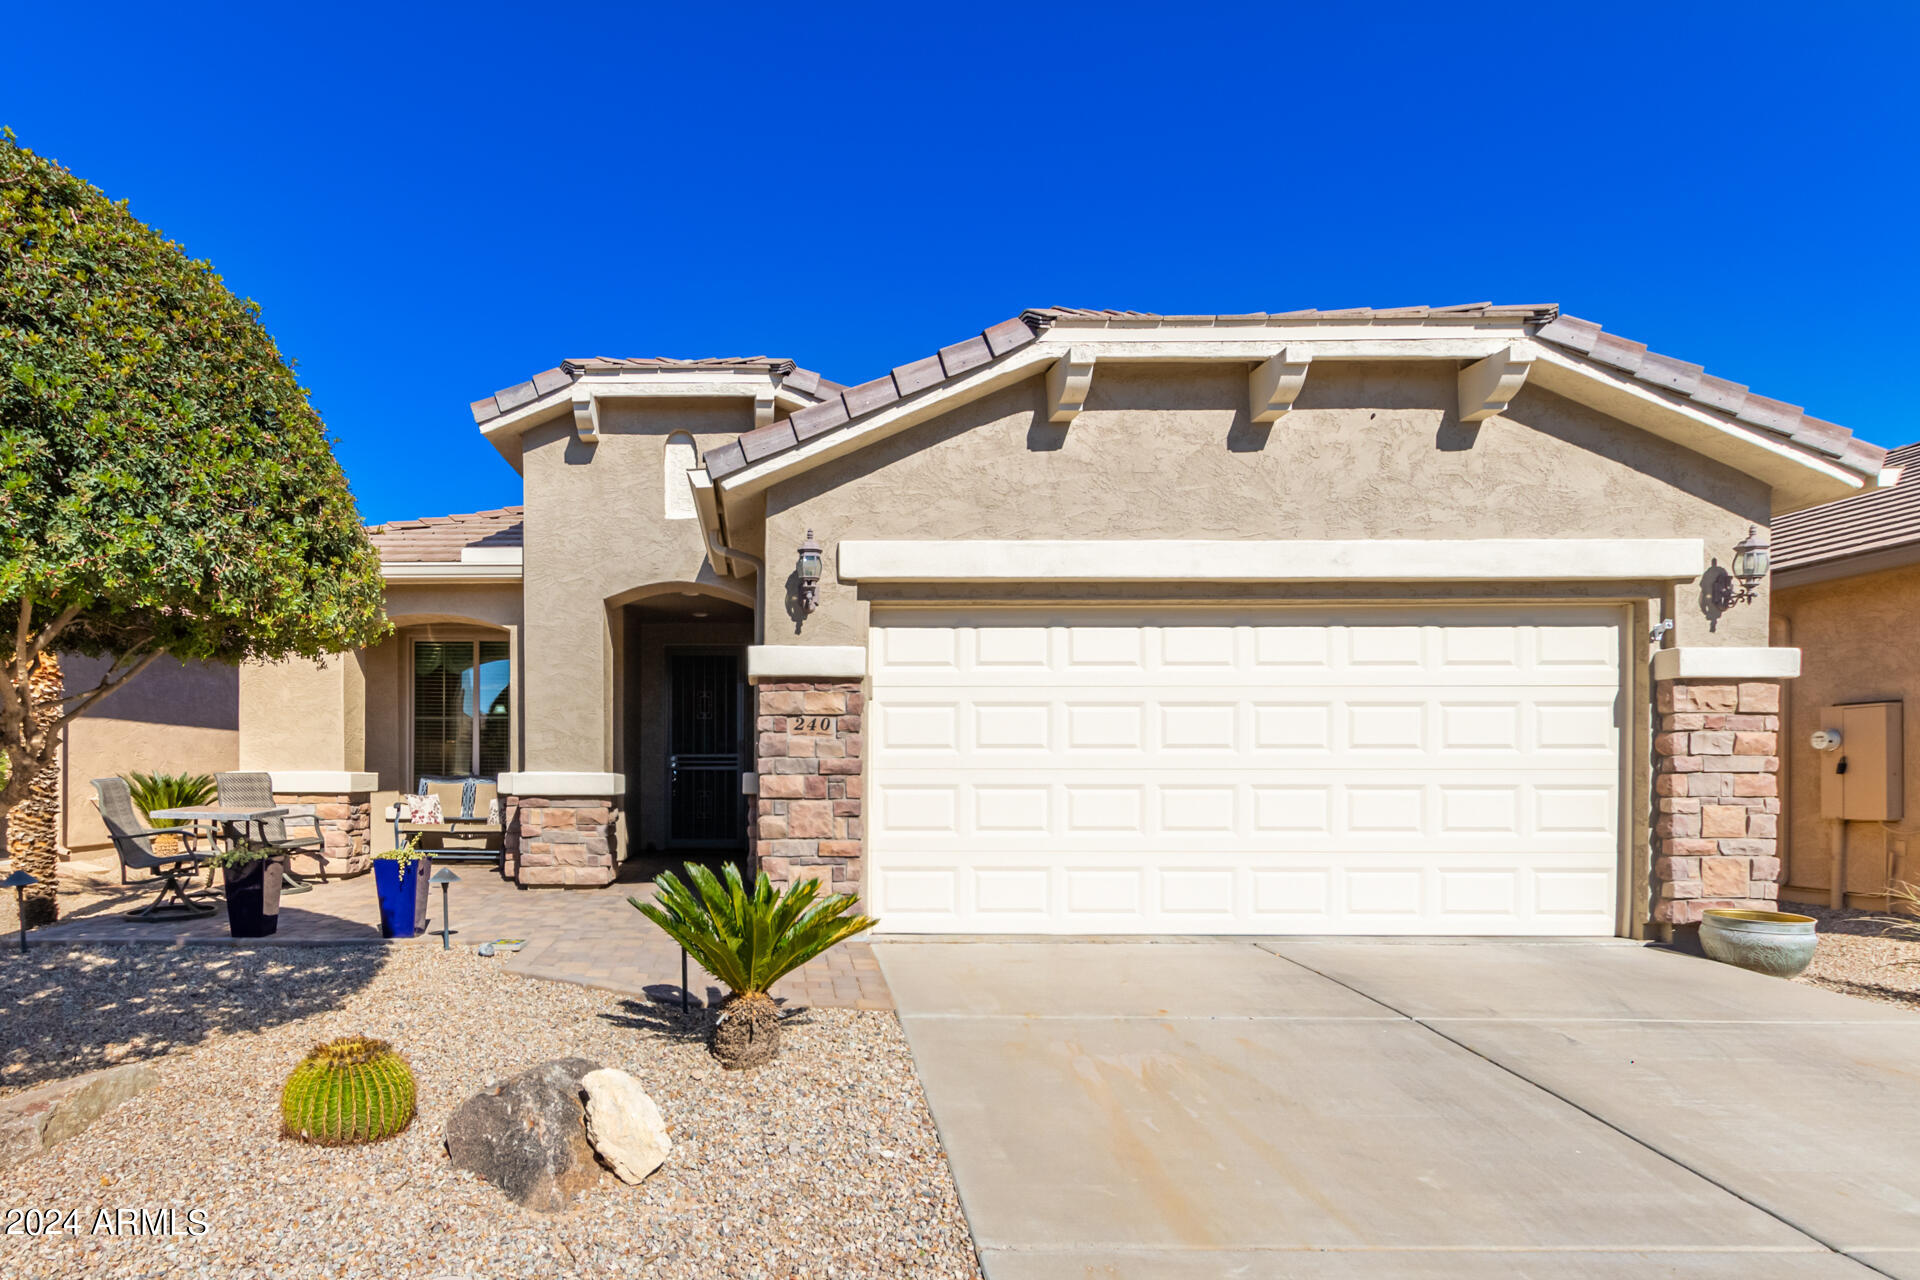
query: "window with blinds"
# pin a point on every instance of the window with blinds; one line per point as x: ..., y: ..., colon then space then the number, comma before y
x: 462, y: 701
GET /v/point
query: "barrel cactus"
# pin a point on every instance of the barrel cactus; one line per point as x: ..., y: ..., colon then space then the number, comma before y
x: 348, y: 1090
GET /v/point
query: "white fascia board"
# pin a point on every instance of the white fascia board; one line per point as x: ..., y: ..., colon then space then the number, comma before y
x: 1364, y: 560
x: 1077, y: 330
x: 490, y: 555
x: 1695, y: 662
x: 1015, y: 367
x: 504, y: 432
x: 806, y: 662
x: 563, y: 786
x: 322, y: 782
x: 451, y: 572
x: 1197, y: 344
x: 1238, y: 350
x: 1799, y: 478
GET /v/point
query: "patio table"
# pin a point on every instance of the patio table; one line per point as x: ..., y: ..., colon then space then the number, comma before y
x: 233, y: 821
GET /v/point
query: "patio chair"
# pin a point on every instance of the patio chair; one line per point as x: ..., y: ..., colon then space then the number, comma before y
x: 133, y: 842
x: 467, y: 827
x: 255, y: 791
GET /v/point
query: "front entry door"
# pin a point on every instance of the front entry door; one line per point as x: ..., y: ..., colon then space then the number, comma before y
x: 703, y: 763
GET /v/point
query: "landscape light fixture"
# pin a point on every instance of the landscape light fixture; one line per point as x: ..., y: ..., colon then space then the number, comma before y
x: 1750, y: 562
x: 809, y: 574
x: 444, y: 877
x: 18, y: 882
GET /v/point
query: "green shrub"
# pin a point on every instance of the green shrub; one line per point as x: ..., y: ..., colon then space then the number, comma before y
x: 405, y: 854
x: 153, y: 791
x: 348, y: 1090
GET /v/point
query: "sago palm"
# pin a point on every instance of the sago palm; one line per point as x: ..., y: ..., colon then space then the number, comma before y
x: 749, y: 940
x: 153, y: 792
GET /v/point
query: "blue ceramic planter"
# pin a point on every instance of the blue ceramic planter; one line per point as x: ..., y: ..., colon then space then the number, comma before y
x: 403, y: 896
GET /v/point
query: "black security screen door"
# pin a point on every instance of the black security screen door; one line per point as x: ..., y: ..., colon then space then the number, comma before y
x: 703, y: 784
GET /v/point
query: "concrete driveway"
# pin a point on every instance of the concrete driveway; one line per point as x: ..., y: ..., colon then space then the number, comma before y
x: 1426, y: 1111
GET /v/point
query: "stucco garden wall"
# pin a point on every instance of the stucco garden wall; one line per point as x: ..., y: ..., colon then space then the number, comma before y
x: 1857, y: 644
x: 1369, y: 451
x: 173, y: 717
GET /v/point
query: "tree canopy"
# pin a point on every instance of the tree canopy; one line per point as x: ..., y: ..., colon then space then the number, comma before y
x: 165, y: 485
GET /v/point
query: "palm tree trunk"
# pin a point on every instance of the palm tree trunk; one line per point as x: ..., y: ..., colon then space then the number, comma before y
x: 33, y: 825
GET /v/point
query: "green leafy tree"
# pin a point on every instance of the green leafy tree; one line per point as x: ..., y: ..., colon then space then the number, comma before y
x: 165, y: 487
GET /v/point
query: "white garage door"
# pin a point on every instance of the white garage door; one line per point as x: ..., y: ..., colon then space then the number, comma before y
x: 1271, y: 770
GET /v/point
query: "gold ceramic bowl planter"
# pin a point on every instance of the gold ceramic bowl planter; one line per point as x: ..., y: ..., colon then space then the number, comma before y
x: 1776, y: 943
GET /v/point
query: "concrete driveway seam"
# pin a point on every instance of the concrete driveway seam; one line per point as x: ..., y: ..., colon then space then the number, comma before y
x: 1597, y: 1118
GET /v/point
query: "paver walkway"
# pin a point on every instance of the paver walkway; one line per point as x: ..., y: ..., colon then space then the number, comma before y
x: 1341, y: 1110
x: 586, y: 936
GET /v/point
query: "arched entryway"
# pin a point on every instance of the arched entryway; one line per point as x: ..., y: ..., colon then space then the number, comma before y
x: 684, y: 728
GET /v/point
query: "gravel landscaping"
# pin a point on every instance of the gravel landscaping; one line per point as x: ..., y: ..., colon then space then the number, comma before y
x: 824, y: 1164
x: 1857, y: 957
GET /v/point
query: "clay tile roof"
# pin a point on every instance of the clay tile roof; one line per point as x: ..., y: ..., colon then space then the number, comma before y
x: 841, y: 405
x: 1755, y: 412
x: 442, y: 538
x: 1866, y: 522
x: 547, y: 381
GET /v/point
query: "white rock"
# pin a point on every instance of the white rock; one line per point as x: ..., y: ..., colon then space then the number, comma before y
x: 624, y: 1125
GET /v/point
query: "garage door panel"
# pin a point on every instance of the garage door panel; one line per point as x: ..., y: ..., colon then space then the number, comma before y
x: 1271, y: 896
x: 1429, y: 771
x: 1550, y: 808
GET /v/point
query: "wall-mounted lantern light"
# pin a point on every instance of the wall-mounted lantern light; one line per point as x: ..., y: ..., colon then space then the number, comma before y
x: 809, y: 574
x: 1749, y: 568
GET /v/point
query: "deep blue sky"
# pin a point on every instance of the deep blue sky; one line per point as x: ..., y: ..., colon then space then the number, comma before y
x: 431, y: 203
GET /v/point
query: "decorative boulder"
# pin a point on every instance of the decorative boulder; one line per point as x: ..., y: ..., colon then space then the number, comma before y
x: 529, y: 1136
x: 35, y: 1119
x: 624, y: 1125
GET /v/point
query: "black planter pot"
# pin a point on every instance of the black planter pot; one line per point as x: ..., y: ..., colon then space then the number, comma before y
x: 253, y: 898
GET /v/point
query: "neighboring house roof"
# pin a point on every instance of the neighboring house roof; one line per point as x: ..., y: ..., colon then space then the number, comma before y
x: 547, y: 381
x: 1862, y: 525
x: 1758, y: 414
x: 444, y: 539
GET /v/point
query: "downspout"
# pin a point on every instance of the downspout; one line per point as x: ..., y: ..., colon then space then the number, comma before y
x: 1781, y: 636
x: 759, y: 588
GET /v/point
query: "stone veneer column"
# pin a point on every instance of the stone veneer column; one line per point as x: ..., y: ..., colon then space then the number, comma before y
x: 557, y: 841
x: 807, y: 820
x: 346, y: 825
x: 1717, y: 789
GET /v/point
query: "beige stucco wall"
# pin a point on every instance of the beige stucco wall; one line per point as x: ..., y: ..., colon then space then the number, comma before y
x: 349, y: 712
x: 596, y: 537
x: 173, y: 717
x: 1856, y: 642
x: 303, y: 714
x: 1369, y: 451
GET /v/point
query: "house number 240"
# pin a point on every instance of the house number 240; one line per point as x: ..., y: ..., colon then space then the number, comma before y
x: 812, y: 724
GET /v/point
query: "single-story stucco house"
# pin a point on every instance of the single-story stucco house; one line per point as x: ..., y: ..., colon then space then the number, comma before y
x: 1846, y: 592
x: 1412, y: 621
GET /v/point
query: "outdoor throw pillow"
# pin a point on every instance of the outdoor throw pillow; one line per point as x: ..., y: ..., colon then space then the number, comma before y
x: 422, y: 808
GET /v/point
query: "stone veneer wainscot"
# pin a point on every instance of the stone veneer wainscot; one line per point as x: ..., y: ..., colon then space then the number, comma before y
x: 551, y: 841
x: 346, y: 827
x: 807, y: 820
x: 1717, y: 797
